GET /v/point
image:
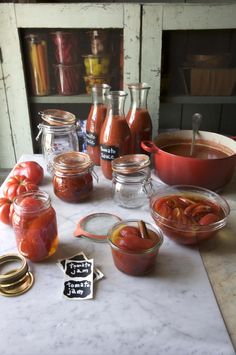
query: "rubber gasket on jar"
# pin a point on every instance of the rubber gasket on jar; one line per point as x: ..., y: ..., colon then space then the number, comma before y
x: 96, y: 226
x: 16, y: 281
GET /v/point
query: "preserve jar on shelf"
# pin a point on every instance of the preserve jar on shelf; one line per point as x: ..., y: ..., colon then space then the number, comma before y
x: 65, y: 44
x: 98, y: 41
x: 68, y: 78
x: 35, y: 225
x: 59, y: 134
x: 138, y: 117
x: 73, y: 176
x: 131, y: 182
x: 95, y: 120
x: 115, y: 136
x: 38, y: 62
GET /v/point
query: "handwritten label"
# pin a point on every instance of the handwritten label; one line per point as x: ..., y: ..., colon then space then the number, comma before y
x: 78, y: 281
x: 92, y: 139
x: 109, y: 152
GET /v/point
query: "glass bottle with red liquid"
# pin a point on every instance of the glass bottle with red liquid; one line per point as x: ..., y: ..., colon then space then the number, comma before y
x: 115, y: 137
x: 138, y: 117
x: 95, y: 120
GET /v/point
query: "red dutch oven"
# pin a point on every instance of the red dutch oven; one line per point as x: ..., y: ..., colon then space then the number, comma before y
x: 185, y: 170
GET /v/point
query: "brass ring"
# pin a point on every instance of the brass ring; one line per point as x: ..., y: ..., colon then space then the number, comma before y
x: 15, y: 281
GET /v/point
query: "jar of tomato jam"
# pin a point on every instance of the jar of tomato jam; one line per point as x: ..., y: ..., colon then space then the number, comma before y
x: 73, y: 176
x: 35, y: 225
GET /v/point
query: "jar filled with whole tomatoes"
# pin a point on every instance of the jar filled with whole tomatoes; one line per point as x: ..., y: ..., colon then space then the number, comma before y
x: 73, y: 176
x: 131, y: 182
x: 35, y: 225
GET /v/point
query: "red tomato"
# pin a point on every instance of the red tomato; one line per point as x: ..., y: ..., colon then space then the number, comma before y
x: 31, y: 169
x: 6, y: 210
x: 18, y: 184
x: 129, y: 230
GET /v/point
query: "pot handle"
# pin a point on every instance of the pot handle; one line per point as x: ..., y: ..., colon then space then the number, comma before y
x: 149, y: 146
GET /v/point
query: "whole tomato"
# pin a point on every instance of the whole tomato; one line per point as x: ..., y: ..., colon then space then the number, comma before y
x: 6, y: 210
x: 18, y: 184
x: 31, y: 169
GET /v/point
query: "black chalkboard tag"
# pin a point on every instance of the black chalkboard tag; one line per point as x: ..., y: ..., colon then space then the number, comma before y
x: 109, y: 152
x: 92, y: 139
x: 78, y: 280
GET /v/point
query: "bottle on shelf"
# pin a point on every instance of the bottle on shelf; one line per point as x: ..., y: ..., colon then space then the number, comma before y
x: 95, y: 120
x: 115, y: 136
x: 138, y: 117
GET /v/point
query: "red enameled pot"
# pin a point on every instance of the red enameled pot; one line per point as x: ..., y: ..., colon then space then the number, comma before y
x: 180, y: 170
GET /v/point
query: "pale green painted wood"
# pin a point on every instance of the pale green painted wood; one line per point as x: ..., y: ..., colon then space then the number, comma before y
x: 14, y: 87
x: 199, y: 16
x: 151, y: 58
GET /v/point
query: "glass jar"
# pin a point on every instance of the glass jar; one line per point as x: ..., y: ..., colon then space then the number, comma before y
x: 115, y: 136
x: 138, y: 117
x: 65, y: 47
x: 73, y: 176
x: 35, y: 225
x: 131, y: 182
x: 59, y: 134
x: 68, y: 79
x: 95, y: 120
x: 38, y: 63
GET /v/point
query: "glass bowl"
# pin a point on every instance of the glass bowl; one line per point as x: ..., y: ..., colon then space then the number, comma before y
x: 131, y: 255
x: 188, y: 214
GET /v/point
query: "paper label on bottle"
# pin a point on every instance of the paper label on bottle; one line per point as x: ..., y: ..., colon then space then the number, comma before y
x: 92, y: 139
x: 109, y: 152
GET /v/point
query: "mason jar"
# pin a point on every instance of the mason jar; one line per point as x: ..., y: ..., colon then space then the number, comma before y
x: 131, y: 180
x: 59, y: 134
x: 73, y: 176
x: 35, y: 225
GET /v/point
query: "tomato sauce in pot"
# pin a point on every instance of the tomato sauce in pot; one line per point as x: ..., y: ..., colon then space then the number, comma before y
x: 200, y: 151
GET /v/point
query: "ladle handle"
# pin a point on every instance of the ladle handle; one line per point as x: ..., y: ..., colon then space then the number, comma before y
x: 196, y: 121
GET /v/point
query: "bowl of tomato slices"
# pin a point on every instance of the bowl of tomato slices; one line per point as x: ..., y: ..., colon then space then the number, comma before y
x: 133, y: 252
x: 188, y: 214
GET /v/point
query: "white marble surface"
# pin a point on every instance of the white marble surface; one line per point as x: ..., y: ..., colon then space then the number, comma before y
x: 171, y: 311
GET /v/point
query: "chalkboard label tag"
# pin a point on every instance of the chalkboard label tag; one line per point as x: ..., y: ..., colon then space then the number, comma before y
x: 109, y: 152
x: 78, y: 280
x: 92, y: 139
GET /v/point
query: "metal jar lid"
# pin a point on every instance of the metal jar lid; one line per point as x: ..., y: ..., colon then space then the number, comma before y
x: 16, y: 281
x: 72, y: 163
x: 58, y: 117
x: 131, y: 163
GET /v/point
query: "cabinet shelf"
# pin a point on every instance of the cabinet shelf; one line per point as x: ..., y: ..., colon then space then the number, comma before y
x: 187, y: 99
x: 59, y: 99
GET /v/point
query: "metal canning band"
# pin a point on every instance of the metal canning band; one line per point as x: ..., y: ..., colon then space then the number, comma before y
x: 15, y: 281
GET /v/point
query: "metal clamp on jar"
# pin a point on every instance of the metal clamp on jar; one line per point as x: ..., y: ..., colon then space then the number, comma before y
x: 131, y: 181
x: 59, y: 134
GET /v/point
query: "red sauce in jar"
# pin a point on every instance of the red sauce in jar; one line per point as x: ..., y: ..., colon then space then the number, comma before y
x: 72, y: 180
x: 140, y: 125
x: 200, y: 151
x: 115, y: 140
x: 95, y: 120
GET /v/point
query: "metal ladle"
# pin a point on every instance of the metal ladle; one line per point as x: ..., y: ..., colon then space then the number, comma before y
x: 196, y: 121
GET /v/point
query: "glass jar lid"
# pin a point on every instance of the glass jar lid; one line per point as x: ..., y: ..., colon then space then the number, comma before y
x: 131, y: 163
x: 58, y: 117
x: 72, y: 162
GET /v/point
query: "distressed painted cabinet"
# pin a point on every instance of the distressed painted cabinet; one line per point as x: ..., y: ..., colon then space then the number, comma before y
x: 210, y: 25
x: 15, y: 121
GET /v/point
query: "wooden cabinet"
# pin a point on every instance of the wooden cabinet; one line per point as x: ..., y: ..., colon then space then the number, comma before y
x: 146, y: 31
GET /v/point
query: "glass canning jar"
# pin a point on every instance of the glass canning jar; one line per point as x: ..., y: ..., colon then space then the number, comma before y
x: 59, y: 134
x: 73, y: 176
x: 35, y: 225
x: 131, y: 183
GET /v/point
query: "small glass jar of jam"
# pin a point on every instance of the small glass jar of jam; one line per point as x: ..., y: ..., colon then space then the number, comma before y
x: 35, y: 225
x: 131, y: 182
x: 73, y: 176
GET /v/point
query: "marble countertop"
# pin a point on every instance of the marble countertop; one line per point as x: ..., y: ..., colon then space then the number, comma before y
x: 170, y: 311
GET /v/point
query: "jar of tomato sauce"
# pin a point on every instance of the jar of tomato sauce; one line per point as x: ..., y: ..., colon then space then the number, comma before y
x: 95, y: 120
x: 138, y: 117
x: 115, y: 137
x: 35, y: 225
x: 73, y: 176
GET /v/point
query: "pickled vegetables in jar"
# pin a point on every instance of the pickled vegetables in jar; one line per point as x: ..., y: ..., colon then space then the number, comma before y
x: 35, y: 225
x: 38, y: 61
